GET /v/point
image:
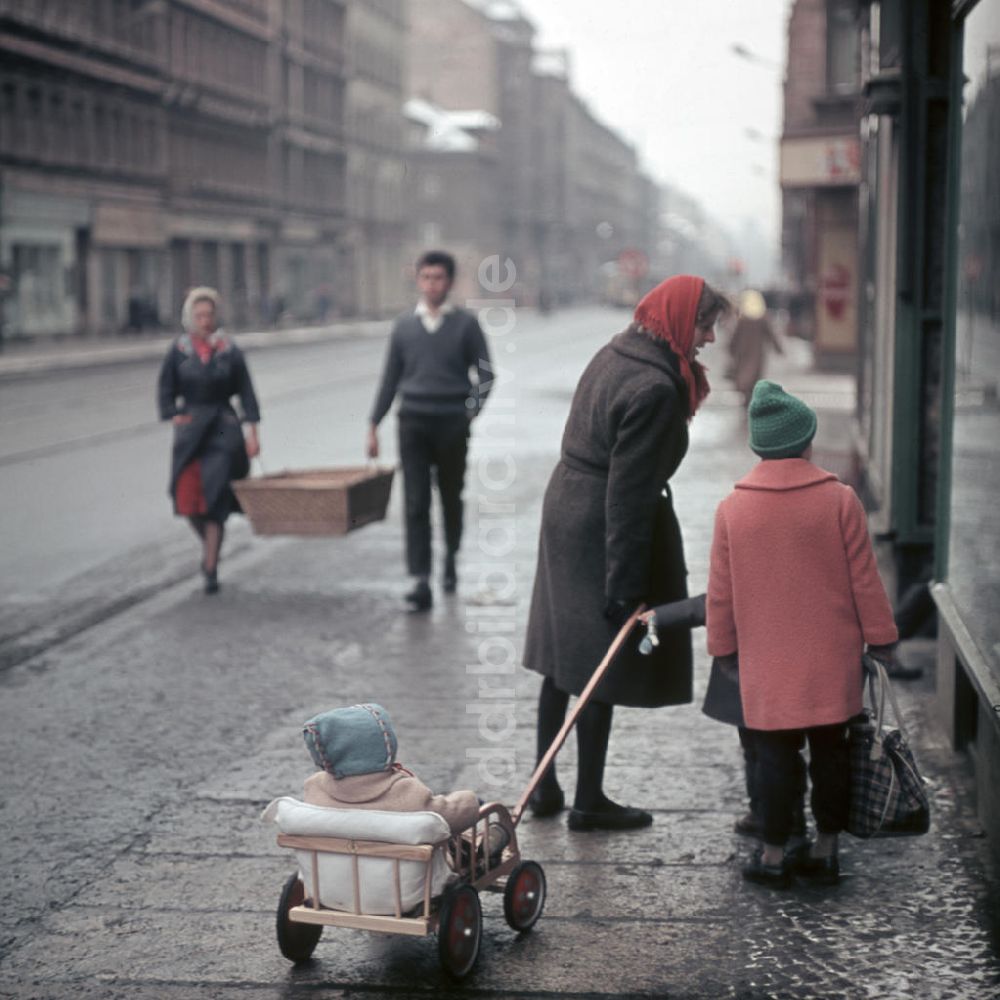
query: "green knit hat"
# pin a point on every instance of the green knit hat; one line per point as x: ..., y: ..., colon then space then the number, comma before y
x: 781, y: 426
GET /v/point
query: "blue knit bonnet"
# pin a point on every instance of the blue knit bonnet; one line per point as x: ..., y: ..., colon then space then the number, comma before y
x: 355, y: 740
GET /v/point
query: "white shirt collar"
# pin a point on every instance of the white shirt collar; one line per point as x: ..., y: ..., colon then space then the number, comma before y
x: 431, y: 322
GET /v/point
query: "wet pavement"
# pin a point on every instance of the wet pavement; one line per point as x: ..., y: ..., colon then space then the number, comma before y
x: 134, y: 863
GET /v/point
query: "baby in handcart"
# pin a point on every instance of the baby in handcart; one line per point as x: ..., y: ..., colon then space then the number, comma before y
x: 355, y: 749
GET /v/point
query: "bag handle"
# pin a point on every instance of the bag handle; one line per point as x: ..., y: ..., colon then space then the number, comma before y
x: 877, y: 674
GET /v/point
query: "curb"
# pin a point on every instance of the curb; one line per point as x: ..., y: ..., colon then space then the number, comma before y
x: 108, y: 353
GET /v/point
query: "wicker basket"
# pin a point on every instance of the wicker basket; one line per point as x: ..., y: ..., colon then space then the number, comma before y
x: 315, y: 501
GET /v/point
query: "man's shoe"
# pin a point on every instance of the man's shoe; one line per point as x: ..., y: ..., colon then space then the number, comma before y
x: 747, y: 825
x: 611, y: 817
x: 420, y: 598
x: 545, y: 802
x: 819, y: 871
x: 449, y: 580
x: 773, y: 876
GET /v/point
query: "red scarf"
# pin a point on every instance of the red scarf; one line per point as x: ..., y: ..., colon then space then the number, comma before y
x: 669, y: 312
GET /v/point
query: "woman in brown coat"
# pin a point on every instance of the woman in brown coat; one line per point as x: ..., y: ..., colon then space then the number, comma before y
x: 610, y: 538
x: 752, y: 337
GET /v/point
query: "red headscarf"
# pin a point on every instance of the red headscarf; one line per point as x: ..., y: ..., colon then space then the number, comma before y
x: 669, y: 312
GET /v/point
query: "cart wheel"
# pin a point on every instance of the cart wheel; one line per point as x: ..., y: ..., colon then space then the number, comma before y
x: 524, y: 896
x: 296, y: 941
x: 460, y: 931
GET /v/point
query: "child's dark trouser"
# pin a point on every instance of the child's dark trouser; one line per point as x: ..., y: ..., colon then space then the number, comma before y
x: 750, y: 772
x: 777, y: 777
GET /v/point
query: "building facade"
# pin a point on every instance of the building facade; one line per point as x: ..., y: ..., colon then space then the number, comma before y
x: 149, y: 146
x: 560, y: 193
x: 377, y: 208
x: 819, y: 172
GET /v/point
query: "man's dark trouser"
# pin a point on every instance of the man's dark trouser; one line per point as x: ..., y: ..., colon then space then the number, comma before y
x: 777, y: 775
x: 426, y: 443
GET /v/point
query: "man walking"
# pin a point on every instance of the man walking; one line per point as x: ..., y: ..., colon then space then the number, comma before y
x: 428, y: 362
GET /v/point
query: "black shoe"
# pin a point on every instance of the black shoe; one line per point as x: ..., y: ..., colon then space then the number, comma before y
x: 796, y: 850
x: 747, y: 825
x: 819, y: 871
x: 211, y: 580
x: 899, y: 672
x: 611, y: 817
x: 773, y: 876
x: 449, y: 580
x: 420, y: 598
x: 545, y: 802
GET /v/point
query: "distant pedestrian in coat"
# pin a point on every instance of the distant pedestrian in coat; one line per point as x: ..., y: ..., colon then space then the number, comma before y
x: 431, y: 353
x: 610, y: 538
x: 202, y: 372
x: 752, y: 337
x: 794, y: 591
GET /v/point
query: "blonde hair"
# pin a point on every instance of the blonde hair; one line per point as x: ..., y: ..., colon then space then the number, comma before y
x: 200, y: 294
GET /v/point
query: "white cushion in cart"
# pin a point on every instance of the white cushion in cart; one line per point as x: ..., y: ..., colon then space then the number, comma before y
x: 336, y: 871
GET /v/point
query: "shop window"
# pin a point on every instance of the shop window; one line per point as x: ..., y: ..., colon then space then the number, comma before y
x: 842, y: 47
x: 37, y: 279
x: 974, y: 539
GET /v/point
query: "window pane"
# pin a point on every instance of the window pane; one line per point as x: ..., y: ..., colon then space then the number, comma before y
x: 974, y: 546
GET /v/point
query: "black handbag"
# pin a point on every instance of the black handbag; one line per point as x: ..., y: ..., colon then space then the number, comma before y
x: 722, y: 697
x: 888, y: 798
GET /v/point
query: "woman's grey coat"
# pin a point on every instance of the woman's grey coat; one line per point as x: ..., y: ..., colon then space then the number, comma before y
x: 609, y: 531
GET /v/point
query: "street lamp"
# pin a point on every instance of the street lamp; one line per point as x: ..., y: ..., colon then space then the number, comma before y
x: 739, y: 49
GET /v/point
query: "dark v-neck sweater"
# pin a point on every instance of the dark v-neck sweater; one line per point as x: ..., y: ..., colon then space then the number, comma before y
x: 431, y: 371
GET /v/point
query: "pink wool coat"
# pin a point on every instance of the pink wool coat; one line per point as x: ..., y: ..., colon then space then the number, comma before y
x: 396, y: 790
x: 794, y: 590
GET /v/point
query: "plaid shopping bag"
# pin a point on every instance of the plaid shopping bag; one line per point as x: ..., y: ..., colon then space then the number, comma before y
x: 887, y: 792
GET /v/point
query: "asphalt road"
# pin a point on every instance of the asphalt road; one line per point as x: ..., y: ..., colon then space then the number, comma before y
x: 86, y: 524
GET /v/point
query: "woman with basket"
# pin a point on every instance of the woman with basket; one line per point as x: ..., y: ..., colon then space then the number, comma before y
x: 201, y: 373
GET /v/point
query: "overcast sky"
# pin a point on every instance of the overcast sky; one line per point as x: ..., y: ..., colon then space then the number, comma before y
x: 662, y: 72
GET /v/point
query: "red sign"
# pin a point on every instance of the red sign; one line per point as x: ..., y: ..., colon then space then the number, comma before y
x: 835, y: 287
x: 633, y: 263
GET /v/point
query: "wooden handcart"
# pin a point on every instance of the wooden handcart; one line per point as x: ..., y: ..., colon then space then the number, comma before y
x: 454, y: 914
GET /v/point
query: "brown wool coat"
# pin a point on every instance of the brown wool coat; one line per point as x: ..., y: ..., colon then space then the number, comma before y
x: 748, y: 347
x: 608, y: 532
x: 395, y: 791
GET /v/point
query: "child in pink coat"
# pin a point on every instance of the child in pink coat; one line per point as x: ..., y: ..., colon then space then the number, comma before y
x: 794, y: 591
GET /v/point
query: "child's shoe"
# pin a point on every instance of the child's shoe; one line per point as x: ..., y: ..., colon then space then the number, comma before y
x: 819, y: 871
x: 773, y: 876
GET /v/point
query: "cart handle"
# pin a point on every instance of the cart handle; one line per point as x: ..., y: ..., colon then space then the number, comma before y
x: 581, y: 703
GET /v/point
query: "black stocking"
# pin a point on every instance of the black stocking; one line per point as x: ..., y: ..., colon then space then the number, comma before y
x: 593, y: 729
x: 551, y: 714
x: 214, y: 531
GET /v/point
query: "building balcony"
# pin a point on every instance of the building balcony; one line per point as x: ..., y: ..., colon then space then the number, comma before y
x: 135, y: 36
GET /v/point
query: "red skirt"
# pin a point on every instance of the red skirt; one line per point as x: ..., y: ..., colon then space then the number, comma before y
x: 189, y: 499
